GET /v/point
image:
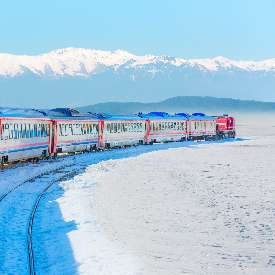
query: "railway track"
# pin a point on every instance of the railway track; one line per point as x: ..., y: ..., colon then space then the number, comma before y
x: 41, y: 183
x: 31, y: 179
x: 31, y: 258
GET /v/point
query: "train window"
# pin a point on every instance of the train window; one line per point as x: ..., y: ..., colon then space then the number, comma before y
x: 114, y: 128
x: 35, y: 130
x: 139, y: 127
x: 87, y: 128
x: 61, y: 132
x: 29, y: 131
x: 23, y: 130
x: 118, y: 127
x: 83, y: 129
x: 90, y: 128
x: 10, y: 133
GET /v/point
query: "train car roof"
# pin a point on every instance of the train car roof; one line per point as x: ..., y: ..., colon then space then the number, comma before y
x: 200, y: 116
x: 162, y: 116
x: 69, y: 114
x: 106, y: 116
x: 65, y: 112
x: 22, y: 113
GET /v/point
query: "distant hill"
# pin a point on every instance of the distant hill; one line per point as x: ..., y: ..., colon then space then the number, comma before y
x: 183, y: 104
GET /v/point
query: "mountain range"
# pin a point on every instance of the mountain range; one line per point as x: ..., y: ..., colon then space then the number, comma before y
x: 76, y: 76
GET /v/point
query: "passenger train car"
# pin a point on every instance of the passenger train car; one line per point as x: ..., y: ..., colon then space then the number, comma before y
x: 73, y: 132
x: 34, y: 134
x: 163, y: 127
x: 122, y: 130
x: 24, y: 137
x: 201, y: 126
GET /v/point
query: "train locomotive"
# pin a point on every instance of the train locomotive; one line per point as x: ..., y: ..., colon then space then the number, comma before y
x: 34, y: 134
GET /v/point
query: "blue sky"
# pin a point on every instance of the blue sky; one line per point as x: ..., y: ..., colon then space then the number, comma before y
x: 241, y: 29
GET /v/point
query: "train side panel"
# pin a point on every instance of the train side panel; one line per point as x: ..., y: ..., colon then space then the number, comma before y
x: 75, y: 135
x: 118, y: 133
x: 22, y: 139
x: 201, y: 128
x: 167, y: 130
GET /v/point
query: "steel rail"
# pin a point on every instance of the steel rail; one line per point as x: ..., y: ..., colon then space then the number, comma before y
x: 31, y: 258
x: 48, y: 172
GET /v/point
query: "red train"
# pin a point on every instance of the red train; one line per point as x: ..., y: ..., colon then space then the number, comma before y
x: 32, y: 134
x: 225, y: 126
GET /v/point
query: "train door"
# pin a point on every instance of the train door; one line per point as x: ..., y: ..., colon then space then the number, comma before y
x: 1, y: 129
x: 53, y: 137
x: 147, y: 132
x: 101, y: 140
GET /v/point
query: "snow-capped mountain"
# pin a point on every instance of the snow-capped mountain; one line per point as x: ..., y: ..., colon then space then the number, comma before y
x: 76, y: 76
x: 86, y: 62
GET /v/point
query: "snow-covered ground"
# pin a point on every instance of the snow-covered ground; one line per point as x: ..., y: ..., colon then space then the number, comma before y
x: 202, y: 209
x: 191, y: 208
